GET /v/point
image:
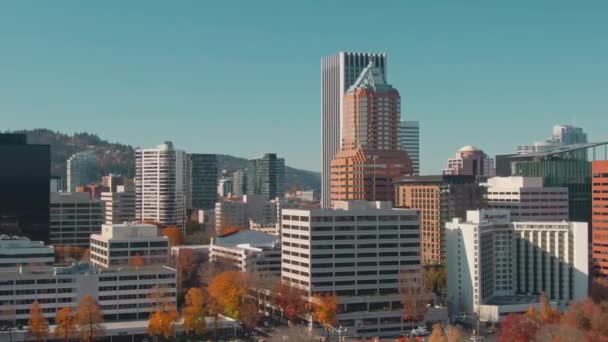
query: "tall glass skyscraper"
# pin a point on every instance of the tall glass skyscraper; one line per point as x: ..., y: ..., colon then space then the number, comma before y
x: 82, y: 169
x: 409, y: 140
x: 24, y: 187
x: 266, y: 176
x: 203, y: 180
x: 338, y: 72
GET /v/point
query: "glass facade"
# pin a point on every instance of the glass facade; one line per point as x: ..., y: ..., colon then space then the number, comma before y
x: 204, y: 178
x: 24, y: 187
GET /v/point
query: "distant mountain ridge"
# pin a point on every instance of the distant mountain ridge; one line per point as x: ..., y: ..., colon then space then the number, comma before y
x: 120, y: 158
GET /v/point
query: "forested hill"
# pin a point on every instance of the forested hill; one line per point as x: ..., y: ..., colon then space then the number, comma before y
x: 120, y: 158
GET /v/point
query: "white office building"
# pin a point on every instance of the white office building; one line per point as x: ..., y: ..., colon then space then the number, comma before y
x: 527, y: 199
x: 357, y: 251
x: 496, y: 266
x: 124, y: 293
x: 82, y: 169
x: 74, y: 216
x: 248, y: 251
x: 160, y: 185
x: 409, y: 140
x: 119, y: 243
x: 119, y: 205
x: 338, y: 72
x: 561, y: 135
x: 20, y: 251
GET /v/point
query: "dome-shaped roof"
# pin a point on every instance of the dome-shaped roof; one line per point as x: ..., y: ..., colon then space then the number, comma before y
x: 468, y: 148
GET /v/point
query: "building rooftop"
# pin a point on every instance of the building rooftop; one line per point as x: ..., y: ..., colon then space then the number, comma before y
x: 559, y: 149
x: 436, y: 179
x: 9, y: 241
x: 129, y: 230
x: 72, y: 197
x: 469, y: 148
x: 252, y: 238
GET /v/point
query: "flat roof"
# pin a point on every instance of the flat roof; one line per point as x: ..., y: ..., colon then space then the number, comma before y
x: 241, y: 237
x: 557, y: 150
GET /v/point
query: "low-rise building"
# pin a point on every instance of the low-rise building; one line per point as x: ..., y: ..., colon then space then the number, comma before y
x: 357, y: 251
x: 74, y: 217
x: 17, y: 251
x: 248, y: 251
x: 496, y: 265
x: 119, y: 243
x: 125, y: 293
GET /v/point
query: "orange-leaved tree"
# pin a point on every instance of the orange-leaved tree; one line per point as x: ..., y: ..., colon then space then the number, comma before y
x: 229, y: 290
x: 161, y: 322
x: 325, y: 308
x: 37, y: 325
x: 174, y: 235
x: 230, y: 230
x: 291, y: 300
x: 186, y: 269
x: 65, y: 327
x: 194, y: 312
x: 137, y: 261
x: 437, y: 335
x: 88, y: 319
x: 415, y: 294
x: 547, y: 313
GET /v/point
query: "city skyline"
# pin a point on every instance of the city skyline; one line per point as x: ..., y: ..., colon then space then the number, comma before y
x: 176, y: 75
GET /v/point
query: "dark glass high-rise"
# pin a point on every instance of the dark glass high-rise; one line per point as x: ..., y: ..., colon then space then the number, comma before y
x: 24, y: 187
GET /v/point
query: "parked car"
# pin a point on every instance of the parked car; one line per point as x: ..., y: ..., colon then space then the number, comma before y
x: 420, y: 331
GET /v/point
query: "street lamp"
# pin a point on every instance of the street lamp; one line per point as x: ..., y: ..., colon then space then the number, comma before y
x: 340, y: 330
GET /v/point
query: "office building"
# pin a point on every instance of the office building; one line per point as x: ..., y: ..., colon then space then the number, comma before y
x: 338, y: 73
x: 239, y: 183
x: 160, y: 185
x: 567, y: 166
x: 356, y: 251
x: 231, y: 213
x: 119, y: 243
x: 248, y: 251
x: 562, y: 135
x: 470, y: 161
x: 24, y: 187
x: 21, y: 251
x: 119, y: 205
x: 204, y: 180
x: 527, y: 199
x: 112, y: 180
x: 370, y: 158
x: 439, y: 199
x: 496, y: 266
x: 82, y: 169
x: 599, y: 224
x: 409, y: 140
x: 266, y: 176
x: 123, y: 294
x: 224, y: 187
x: 74, y: 217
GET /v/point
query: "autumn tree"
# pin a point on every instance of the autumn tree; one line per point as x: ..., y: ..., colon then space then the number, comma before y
x: 562, y: 333
x: 518, y: 327
x: 415, y: 295
x: 229, y: 289
x: 186, y: 269
x: 589, y: 317
x: 38, y: 325
x: 64, y: 324
x: 454, y: 333
x: 229, y: 230
x: 250, y: 314
x: 162, y: 319
x: 174, y: 234
x: 88, y: 319
x: 137, y: 261
x: 548, y: 314
x: 291, y: 300
x: 194, y: 312
x: 437, y: 335
x: 325, y: 309
x: 435, y: 278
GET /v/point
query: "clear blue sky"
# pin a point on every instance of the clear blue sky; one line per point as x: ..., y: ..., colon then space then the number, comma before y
x: 242, y: 77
